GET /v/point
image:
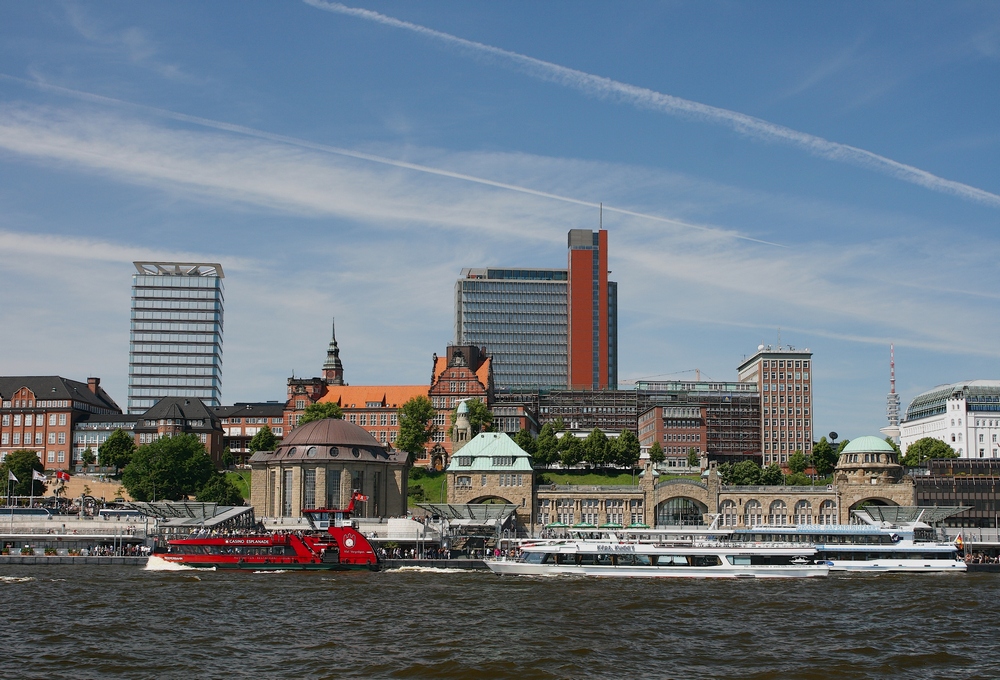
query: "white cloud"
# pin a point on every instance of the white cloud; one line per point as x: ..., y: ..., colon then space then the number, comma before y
x: 606, y: 88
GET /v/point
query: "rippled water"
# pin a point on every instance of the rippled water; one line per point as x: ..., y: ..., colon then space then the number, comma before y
x: 85, y: 622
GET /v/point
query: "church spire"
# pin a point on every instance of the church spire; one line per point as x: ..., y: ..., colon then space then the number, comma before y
x: 333, y: 369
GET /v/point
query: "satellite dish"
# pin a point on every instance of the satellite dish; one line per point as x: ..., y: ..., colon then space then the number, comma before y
x: 760, y: 348
x: 833, y: 435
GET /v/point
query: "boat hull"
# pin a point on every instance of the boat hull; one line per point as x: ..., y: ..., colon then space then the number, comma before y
x: 721, y: 571
x: 272, y: 565
x: 898, y: 566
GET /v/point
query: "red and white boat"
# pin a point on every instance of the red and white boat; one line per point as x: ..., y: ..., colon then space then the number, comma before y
x: 331, y: 544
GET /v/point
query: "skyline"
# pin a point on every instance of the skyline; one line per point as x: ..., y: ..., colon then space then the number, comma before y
x: 829, y: 172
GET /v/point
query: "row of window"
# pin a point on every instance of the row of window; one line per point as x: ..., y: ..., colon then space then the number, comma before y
x: 781, y: 399
x: 780, y: 387
x: 208, y: 304
x: 157, y: 315
x: 780, y: 363
x: 783, y: 376
x: 14, y: 438
x: 41, y: 403
x: 803, y: 446
x: 40, y: 420
x: 753, y: 513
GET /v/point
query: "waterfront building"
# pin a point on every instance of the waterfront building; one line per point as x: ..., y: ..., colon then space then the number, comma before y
x: 545, y: 328
x: 320, y: 464
x: 40, y: 413
x: 964, y: 415
x: 972, y: 483
x: 783, y: 376
x: 179, y: 415
x: 175, y: 344
x: 241, y: 421
x: 492, y: 468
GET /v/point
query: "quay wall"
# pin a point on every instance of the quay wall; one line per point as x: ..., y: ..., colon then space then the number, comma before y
x: 10, y: 560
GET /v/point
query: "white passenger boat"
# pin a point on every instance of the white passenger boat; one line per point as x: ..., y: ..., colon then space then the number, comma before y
x: 867, y: 547
x: 612, y: 556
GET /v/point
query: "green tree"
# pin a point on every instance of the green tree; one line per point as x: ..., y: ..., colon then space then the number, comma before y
x: 319, y: 411
x: 547, y: 446
x: 656, y: 455
x: 771, y: 475
x: 169, y: 468
x: 626, y: 449
x: 925, y: 449
x: 558, y: 425
x: 895, y: 447
x: 744, y: 473
x: 571, y: 450
x: 798, y: 479
x: 116, y: 452
x: 218, y: 489
x: 265, y: 440
x: 416, y: 425
x: 480, y: 417
x: 524, y: 439
x: 227, y: 458
x: 595, y: 448
x: 22, y: 462
x: 841, y: 446
x: 824, y: 458
x: 797, y: 462
x: 694, y: 458
x: 88, y: 457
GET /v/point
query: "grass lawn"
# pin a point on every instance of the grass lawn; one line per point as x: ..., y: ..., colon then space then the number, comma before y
x: 241, y: 480
x: 433, y: 484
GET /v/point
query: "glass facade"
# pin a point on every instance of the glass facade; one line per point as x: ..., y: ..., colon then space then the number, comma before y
x: 521, y: 322
x: 175, y: 347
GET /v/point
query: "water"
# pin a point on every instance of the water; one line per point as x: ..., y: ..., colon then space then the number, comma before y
x: 126, y: 622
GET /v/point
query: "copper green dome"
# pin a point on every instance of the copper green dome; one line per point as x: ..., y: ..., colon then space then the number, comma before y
x: 868, y: 444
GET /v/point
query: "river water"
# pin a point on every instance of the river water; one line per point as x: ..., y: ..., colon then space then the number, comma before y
x: 127, y: 622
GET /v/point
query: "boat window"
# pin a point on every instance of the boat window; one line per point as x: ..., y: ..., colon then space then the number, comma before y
x: 643, y: 560
x: 535, y: 557
x: 673, y: 560
x: 549, y: 558
x: 585, y: 559
x: 606, y: 560
x: 706, y: 560
x: 737, y: 559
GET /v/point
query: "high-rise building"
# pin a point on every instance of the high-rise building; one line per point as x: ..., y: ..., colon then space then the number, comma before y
x: 545, y: 328
x: 784, y: 379
x: 176, y: 338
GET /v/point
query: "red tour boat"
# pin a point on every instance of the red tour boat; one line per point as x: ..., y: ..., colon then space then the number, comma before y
x: 331, y: 543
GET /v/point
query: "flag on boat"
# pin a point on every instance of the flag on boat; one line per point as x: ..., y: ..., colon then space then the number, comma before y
x: 35, y: 474
x: 959, y: 543
x: 11, y: 477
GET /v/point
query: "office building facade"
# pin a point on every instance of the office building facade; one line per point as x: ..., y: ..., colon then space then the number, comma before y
x: 175, y: 345
x: 783, y: 376
x: 545, y: 328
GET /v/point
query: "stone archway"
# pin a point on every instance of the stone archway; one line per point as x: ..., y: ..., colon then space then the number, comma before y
x: 491, y: 500
x: 680, y: 511
x: 875, y: 500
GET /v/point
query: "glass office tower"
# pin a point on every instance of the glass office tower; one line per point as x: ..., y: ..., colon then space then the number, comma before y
x: 545, y: 328
x: 175, y: 345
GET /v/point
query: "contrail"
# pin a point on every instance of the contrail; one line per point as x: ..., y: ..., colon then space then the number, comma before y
x: 606, y: 88
x: 360, y: 155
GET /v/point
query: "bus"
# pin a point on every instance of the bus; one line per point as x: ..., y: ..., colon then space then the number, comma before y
x: 25, y: 513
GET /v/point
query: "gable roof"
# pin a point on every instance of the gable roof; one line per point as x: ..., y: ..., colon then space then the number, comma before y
x: 180, y: 408
x: 57, y: 387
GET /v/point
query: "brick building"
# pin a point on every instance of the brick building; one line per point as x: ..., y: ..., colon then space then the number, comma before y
x: 181, y: 415
x: 40, y: 412
x: 241, y: 421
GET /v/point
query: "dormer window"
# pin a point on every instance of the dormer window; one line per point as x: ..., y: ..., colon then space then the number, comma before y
x: 465, y: 461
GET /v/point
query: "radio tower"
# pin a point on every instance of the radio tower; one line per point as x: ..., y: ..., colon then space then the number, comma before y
x: 892, y: 400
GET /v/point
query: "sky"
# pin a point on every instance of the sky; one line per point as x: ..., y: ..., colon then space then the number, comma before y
x: 825, y: 174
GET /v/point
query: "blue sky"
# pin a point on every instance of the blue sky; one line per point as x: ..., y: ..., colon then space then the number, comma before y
x: 826, y: 169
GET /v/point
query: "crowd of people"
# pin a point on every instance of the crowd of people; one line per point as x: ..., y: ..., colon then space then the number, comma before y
x: 981, y: 558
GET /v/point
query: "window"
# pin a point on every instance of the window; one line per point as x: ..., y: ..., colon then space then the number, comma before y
x: 17, y: 438
x: 463, y: 482
x: 38, y: 437
x: 6, y: 419
x: 51, y: 457
x: 828, y: 513
x: 61, y: 457
x: 300, y: 404
x: 753, y: 513
x: 465, y: 461
x: 27, y: 421
x: 52, y: 419
x: 482, y: 482
x: 727, y: 512
x: 62, y: 437
x: 52, y: 438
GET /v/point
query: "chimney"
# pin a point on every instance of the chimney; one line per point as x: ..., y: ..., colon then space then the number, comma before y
x: 93, y: 384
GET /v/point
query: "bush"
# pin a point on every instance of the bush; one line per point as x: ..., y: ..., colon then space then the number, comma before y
x: 417, y: 473
x: 417, y: 494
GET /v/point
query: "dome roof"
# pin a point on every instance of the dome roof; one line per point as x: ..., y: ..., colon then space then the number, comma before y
x: 330, y: 432
x: 463, y: 407
x: 868, y: 444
